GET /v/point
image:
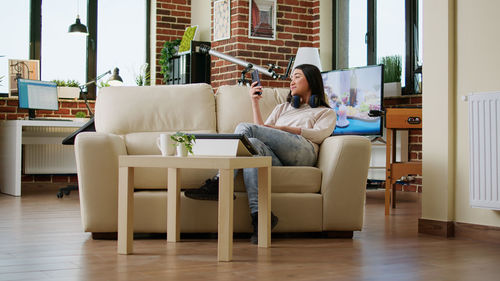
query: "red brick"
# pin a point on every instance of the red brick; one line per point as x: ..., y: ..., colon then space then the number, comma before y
x: 60, y: 178
x: 68, y: 104
x: 43, y: 178
x: 73, y: 179
x: 13, y: 103
x: 62, y: 111
x: 8, y: 109
x: 164, y: 12
x: 27, y: 178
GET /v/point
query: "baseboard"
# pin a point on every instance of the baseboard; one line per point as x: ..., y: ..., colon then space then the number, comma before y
x: 484, y: 233
x: 434, y: 227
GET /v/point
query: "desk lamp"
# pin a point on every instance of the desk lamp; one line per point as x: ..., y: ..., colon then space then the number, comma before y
x: 114, y: 80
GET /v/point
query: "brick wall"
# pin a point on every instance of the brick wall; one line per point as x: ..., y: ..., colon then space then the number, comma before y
x: 297, y: 26
x: 414, y: 138
x: 67, y: 109
x: 172, y: 18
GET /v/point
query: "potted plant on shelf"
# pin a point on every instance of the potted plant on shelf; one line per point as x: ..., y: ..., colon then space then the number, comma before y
x: 184, y: 143
x: 169, y: 50
x: 392, y: 75
x: 69, y: 89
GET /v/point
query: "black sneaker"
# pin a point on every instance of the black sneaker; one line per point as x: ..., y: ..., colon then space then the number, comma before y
x: 208, y: 191
x: 255, y: 223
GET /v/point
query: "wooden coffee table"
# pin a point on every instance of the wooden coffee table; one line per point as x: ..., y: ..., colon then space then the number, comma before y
x: 226, y: 166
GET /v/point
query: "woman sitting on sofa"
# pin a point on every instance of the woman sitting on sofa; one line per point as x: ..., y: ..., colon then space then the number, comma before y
x: 291, y: 135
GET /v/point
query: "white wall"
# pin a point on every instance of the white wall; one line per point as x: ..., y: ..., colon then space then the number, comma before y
x: 200, y: 15
x: 438, y: 119
x: 325, y: 34
x: 477, y: 70
x: 461, y: 56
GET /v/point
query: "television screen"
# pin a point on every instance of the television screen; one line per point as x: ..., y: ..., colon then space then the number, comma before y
x: 352, y: 93
x: 35, y: 94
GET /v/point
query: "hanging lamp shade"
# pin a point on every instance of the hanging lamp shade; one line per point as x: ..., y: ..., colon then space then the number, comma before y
x: 78, y: 27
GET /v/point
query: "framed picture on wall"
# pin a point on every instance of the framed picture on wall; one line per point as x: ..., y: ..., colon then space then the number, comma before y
x: 262, y: 21
x: 222, y: 20
x: 26, y: 69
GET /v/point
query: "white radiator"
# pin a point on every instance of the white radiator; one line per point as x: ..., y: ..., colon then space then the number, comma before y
x: 484, y: 132
x: 52, y: 158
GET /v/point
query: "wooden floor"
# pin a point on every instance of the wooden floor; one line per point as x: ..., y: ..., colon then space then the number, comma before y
x: 41, y: 239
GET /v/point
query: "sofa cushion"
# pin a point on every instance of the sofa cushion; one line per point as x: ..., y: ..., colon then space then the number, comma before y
x: 121, y: 110
x: 289, y: 180
x: 234, y: 107
x: 295, y: 180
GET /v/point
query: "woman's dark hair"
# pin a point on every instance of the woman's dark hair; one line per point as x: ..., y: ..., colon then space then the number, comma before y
x: 315, y: 81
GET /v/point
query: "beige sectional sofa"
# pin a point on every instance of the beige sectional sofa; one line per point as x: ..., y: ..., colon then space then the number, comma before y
x: 325, y: 198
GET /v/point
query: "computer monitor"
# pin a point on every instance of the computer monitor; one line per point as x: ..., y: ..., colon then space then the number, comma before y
x: 352, y: 93
x: 35, y: 94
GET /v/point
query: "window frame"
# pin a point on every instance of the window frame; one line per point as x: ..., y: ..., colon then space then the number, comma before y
x: 411, y: 40
x: 91, y: 60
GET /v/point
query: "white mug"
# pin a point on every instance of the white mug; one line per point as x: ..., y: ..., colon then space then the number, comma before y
x: 165, y: 144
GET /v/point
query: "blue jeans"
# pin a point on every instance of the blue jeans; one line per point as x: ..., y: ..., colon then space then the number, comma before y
x: 286, y: 149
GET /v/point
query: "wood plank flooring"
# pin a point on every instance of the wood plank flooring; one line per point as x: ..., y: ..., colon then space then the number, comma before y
x: 41, y: 238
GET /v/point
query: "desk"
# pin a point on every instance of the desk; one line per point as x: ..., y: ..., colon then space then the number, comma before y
x: 12, y: 138
x: 399, y: 119
x: 226, y: 166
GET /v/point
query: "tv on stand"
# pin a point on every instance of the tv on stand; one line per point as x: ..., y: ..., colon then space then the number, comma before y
x: 352, y: 93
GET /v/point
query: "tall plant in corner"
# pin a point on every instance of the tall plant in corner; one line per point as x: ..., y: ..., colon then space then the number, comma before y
x: 167, y: 52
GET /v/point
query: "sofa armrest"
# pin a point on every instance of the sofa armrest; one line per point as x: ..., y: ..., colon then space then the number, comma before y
x: 97, y: 167
x: 344, y: 162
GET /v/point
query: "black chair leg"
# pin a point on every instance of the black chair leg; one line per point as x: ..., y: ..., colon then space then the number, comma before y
x: 66, y: 190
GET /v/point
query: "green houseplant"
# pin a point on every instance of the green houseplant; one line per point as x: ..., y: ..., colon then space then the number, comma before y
x: 144, y: 76
x: 167, y: 52
x: 392, y: 75
x: 68, y: 89
x: 392, y: 68
x: 184, y: 143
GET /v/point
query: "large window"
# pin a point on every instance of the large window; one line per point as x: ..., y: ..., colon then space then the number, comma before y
x: 121, y: 40
x: 379, y: 28
x: 63, y: 54
x: 357, y: 33
x: 391, y: 31
x: 118, y: 37
x: 14, y: 29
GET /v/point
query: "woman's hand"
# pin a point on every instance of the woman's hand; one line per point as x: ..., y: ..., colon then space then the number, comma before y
x: 255, y: 92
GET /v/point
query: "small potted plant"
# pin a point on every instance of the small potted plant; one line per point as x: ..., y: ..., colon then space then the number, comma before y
x: 184, y: 143
x: 392, y: 75
x: 67, y: 89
